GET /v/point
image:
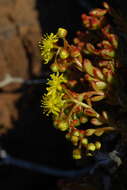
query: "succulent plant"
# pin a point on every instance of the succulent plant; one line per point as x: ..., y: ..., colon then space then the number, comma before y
x: 82, y: 85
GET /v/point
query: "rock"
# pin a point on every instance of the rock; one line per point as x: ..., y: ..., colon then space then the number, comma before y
x: 19, y: 54
x: 8, y: 112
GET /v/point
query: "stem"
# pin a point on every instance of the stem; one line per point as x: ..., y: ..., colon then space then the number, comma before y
x: 80, y: 103
x: 70, y: 114
x: 57, y: 53
x: 75, y: 100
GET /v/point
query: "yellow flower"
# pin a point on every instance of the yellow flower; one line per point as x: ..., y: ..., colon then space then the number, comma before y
x: 56, y: 80
x: 52, y: 104
x: 55, y: 83
x: 46, y: 46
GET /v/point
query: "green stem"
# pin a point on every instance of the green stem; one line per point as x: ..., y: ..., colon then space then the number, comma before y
x: 80, y: 103
x: 75, y: 100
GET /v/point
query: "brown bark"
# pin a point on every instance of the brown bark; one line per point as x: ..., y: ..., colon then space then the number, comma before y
x: 19, y: 54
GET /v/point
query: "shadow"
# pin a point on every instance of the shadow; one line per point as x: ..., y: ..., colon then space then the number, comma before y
x: 36, y: 140
x: 55, y: 14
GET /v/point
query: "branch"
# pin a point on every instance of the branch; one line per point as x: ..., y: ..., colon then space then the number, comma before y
x: 9, y: 79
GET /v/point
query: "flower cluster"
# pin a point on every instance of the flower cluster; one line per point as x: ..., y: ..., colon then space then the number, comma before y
x: 89, y: 68
x: 53, y: 101
x: 47, y: 46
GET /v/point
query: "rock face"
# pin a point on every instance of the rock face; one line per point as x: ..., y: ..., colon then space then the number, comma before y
x: 19, y: 54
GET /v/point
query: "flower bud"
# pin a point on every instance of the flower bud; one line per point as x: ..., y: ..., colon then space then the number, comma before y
x: 105, y: 115
x: 96, y: 122
x: 97, y: 73
x: 83, y: 119
x: 97, y: 145
x: 74, y: 140
x: 105, y: 63
x: 98, y: 12
x: 54, y: 67
x: 97, y: 98
x: 77, y: 154
x: 105, y: 70
x: 114, y: 40
x: 86, y: 20
x: 89, y: 154
x: 62, y: 125
x: 91, y: 112
x: 88, y: 67
x: 91, y: 147
x: 107, y: 53
x: 90, y: 48
x: 76, y: 133
x: 108, y: 75
x: 62, y: 33
x: 90, y: 132
x: 99, y: 85
x: 86, y: 52
x: 84, y: 141
x: 64, y: 54
x: 76, y: 40
x: 99, y: 132
x: 75, y: 122
x: 105, y: 4
x: 95, y: 23
x: 105, y: 44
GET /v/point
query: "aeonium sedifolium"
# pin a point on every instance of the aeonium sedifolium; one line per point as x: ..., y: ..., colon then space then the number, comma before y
x: 83, y: 76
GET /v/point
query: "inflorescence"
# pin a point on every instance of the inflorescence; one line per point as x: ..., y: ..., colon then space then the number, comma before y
x: 88, y: 70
